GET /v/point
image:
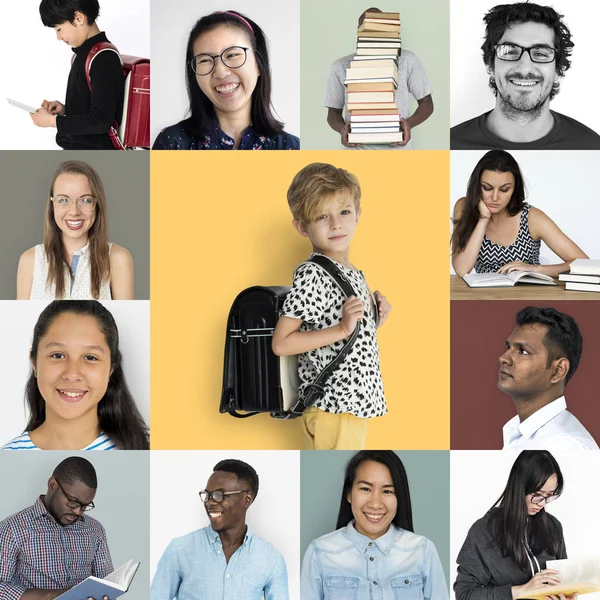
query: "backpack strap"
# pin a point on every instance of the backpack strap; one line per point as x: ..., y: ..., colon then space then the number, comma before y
x: 95, y: 51
x: 315, y: 389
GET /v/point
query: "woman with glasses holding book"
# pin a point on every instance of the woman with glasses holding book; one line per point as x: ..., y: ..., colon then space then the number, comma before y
x: 504, y: 556
x: 228, y: 81
x: 373, y: 552
x: 496, y: 231
x: 76, y: 261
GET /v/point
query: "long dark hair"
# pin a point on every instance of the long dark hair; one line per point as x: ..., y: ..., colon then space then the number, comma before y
x: 118, y: 415
x: 499, y: 161
x: 509, y: 522
x: 201, y: 108
x: 391, y: 460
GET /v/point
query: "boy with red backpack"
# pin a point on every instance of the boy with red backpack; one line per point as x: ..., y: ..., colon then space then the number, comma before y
x: 91, y: 108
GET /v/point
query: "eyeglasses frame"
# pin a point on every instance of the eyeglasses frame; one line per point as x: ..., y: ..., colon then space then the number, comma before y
x: 70, y: 502
x: 528, y: 50
x: 211, y: 497
x: 215, y: 56
x: 73, y: 201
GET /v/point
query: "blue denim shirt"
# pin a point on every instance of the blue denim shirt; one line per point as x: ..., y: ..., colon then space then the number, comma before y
x: 345, y: 565
x: 193, y: 567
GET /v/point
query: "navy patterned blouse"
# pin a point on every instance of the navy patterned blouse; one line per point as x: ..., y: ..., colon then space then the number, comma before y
x: 177, y: 137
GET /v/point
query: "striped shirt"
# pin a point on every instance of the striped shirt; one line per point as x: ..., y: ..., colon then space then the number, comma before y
x: 23, y: 442
x: 38, y: 553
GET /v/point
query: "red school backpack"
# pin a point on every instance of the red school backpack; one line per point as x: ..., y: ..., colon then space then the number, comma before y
x: 134, y: 131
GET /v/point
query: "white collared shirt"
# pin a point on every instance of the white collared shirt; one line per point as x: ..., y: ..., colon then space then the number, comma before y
x: 552, y: 427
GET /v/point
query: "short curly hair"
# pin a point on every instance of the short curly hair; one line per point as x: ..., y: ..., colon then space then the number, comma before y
x: 563, y: 338
x: 504, y: 15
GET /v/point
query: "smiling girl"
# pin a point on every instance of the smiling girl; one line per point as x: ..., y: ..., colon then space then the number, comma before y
x: 495, y: 230
x: 228, y: 80
x: 505, y: 553
x: 374, y: 550
x: 76, y: 260
x: 76, y: 394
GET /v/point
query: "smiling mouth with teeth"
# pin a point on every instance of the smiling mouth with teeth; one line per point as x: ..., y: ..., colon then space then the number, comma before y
x: 214, y: 515
x: 72, y: 395
x: 227, y: 88
x: 524, y: 82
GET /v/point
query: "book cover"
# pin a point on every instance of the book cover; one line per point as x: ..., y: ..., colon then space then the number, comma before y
x: 374, y: 138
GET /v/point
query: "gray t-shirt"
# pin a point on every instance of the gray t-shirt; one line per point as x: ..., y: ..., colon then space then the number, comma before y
x: 412, y: 80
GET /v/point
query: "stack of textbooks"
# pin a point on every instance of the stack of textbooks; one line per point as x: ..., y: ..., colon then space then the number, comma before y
x: 583, y: 276
x: 372, y: 80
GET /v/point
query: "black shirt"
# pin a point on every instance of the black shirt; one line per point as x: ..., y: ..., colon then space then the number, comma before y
x: 485, y: 574
x: 90, y: 115
x: 567, y: 134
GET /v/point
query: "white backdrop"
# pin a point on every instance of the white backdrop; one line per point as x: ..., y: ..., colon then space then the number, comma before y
x: 17, y: 320
x: 562, y: 183
x: 170, y: 31
x: 472, y: 496
x: 469, y: 92
x: 274, y: 516
x: 36, y: 65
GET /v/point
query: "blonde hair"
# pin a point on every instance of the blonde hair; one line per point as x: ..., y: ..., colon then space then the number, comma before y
x: 97, y: 234
x: 316, y: 185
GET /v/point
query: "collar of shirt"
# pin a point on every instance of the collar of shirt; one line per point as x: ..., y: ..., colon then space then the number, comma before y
x: 214, y: 539
x: 363, y: 542
x: 81, y: 251
x: 225, y: 142
x: 89, y: 44
x: 39, y: 511
x: 514, y: 429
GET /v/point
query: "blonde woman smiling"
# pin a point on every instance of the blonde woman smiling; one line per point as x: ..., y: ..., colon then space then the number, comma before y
x: 76, y: 261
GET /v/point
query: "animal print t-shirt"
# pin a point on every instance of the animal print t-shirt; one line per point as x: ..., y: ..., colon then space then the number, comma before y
x: 355, y: 386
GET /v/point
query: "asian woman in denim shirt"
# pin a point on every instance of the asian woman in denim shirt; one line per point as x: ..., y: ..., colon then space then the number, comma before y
x: 374, y: 553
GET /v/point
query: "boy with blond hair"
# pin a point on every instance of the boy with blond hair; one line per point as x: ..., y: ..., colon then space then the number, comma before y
x: 317, y: 319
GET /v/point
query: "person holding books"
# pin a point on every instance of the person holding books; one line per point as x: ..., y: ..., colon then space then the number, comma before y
x: 224, y: 561
x: 374, y: 552
x: 505, y: 553
x: 411, y: 81
x: 76, y: 393
x: 76, y: 260
x: 229, y: 87
x: 496, y: 231
x: 49, y: 547
x: 541, y: 356
x: 317, y: 319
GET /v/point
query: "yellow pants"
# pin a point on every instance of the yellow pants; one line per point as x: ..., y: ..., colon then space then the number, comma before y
x: 328, y: 431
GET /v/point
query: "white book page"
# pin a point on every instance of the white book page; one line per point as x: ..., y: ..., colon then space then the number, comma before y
x: 123, y: 575
x: 577, y: 570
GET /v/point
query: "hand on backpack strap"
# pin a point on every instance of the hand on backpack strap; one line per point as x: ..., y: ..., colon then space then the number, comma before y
x: 384, y: 307
x: 353, y: 311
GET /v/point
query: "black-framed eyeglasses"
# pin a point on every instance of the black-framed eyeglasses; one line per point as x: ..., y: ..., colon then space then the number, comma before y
x: 72, y: 503
x: 539, y: 498
x: 537, y: 54
x: 233, y: 58
x: 217, y: 495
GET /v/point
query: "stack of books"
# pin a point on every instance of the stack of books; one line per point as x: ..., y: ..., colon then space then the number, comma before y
x: 372, y: 80
x: 583, y: 276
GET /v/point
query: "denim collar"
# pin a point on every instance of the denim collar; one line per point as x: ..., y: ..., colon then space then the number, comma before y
x: 214, y: 538
x: 363, y: 543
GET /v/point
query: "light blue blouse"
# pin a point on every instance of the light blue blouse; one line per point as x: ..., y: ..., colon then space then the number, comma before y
x: 193, y: 567
x: 345, y: 565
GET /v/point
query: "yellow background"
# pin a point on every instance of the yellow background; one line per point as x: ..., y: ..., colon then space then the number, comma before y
x: 220, y: 223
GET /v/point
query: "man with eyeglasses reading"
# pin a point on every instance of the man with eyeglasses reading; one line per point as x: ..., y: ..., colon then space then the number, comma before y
x: 53, y: 545
x: 223, y: 561
x: 527, y: 51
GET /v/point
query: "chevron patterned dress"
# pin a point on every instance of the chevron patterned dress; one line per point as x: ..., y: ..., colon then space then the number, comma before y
x: 525, y: 249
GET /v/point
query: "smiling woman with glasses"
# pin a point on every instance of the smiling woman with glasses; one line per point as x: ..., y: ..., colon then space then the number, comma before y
x: 505, y: 553
x: 76, y: 261
x: 228, y: 81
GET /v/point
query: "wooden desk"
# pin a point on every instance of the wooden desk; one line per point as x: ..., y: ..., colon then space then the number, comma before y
x: 459, y: 290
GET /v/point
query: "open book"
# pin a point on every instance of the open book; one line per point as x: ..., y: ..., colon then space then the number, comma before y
x: 497, y: 280
x: 22, y: 106
x: 113, y: 585
x: 581, y: 575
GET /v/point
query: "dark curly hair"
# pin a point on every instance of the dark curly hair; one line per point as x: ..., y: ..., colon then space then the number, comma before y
x: 504, y: 15
x: 242, y: 470
x: 563, y: 338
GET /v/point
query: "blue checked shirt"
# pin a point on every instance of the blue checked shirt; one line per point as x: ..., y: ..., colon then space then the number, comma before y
x: 193, y: 567
x: 399, y: 565
x: 38, y: 553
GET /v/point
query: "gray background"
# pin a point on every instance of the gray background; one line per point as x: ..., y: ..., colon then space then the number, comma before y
x: 122, y: 502
x: 322, y: 479
x: 26, y: 178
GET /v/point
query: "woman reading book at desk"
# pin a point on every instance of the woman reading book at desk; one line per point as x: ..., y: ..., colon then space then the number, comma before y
x: 496, y: 231
x: 504, y: 555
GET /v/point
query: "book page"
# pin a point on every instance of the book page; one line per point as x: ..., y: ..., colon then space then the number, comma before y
x: 576, y: 570
x: 122, y: 576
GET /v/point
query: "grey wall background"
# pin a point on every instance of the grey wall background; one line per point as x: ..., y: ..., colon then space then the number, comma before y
x: 328, y: 32
x: 26, y: 178
x: 122, y: 502
x: 322, y: 480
